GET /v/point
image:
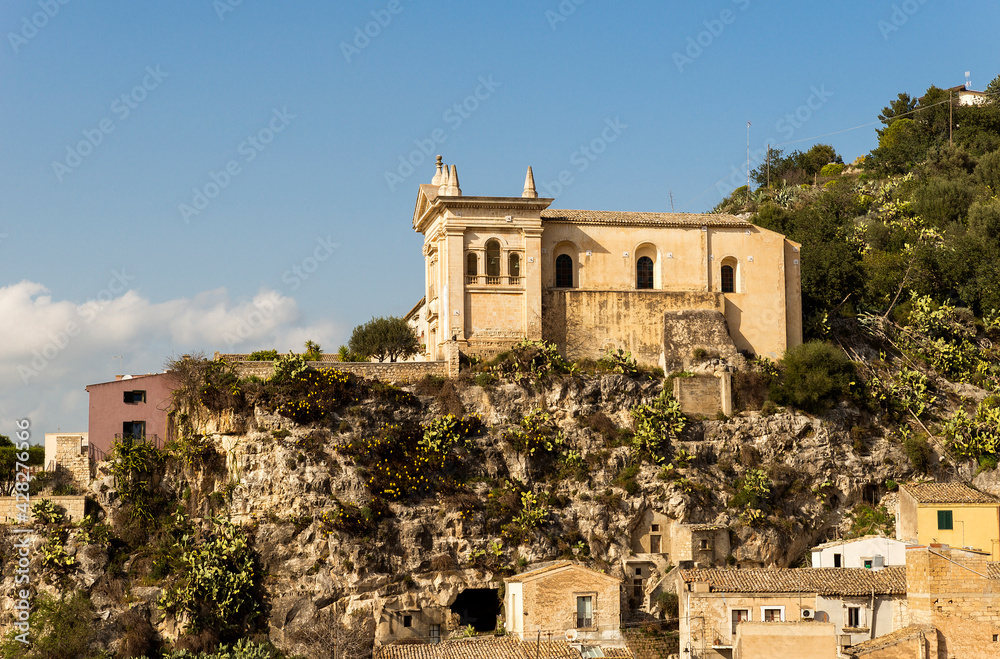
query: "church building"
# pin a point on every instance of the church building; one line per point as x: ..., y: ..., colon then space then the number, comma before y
x: 660, y: 285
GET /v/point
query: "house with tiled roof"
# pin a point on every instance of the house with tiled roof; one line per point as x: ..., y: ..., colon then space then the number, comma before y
x: 954, y: 514
x: 502, y: 269
x: 858, y: 603
x: 567, y: 600
x: 494, y: 647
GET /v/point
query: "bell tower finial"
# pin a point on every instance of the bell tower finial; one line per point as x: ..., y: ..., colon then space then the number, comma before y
x: 529, y: 186
x: 438, y: 177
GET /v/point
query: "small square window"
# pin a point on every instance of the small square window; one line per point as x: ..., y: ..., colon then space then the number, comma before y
x: 133, y: 397
x: 772, y: 615
x: 945, y: 521
x: 853, y: 616
x: 704, y: 544
x: 868, y: 563
x: 655, y: 528
x: 638, y: 572
x: 407, y: 621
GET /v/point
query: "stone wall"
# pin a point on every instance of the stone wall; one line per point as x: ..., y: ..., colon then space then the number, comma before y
x: 550, y: 602
x: 587, y: 323
x: 387, y: 371
x: 73, y: 505
x: 685, y: 331
x: 74, y: 457
x: 705, y: 395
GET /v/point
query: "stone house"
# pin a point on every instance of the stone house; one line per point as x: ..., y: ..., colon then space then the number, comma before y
x: 859, y: 604
x: 70, y: 453
x: 658, y: 543
x: 953, y: 608
x: 949, y: 513
x: 568, y: 600
x: 660, y: 285
x: 871, y: 551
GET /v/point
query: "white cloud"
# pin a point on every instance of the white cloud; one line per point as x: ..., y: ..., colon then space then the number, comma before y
x: 50, y: 349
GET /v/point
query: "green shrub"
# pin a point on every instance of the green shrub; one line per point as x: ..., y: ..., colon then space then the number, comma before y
x: 832, y: 169
x: 263, y: 356
x: 655, y: 425
x: 59, y: 629
x: 815, y: 376
x: 219, y: 581
x: 919, y: 452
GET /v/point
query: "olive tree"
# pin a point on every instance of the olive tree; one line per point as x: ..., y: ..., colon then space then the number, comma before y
x: 384, y: 338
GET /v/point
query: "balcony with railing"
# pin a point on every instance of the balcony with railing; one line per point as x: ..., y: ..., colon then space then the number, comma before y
x: 489, y: 280
x: 153, y: 440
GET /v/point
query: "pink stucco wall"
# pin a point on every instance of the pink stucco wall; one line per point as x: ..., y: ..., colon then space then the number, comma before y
x: 109, y: 411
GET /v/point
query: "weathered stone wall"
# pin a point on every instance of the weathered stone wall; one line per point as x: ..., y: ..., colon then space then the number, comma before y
x: 585, y: 324
x: 550, y: 602
x: 387, y: 371
x: 72, y: 456
x: 74, y: 506
x: 688, y: 330
x: 704, y: 395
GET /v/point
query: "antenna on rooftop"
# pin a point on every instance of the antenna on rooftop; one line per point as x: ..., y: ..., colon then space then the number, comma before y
x: 671, y: 201
x: 968, y: 80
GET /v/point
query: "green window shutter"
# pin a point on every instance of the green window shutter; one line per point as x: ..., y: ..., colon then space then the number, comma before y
x: 944, y: 520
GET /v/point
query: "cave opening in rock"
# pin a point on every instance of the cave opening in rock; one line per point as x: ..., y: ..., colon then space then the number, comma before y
x: 478, y: 607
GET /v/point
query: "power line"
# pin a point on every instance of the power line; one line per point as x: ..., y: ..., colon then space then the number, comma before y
x: 845, y: 130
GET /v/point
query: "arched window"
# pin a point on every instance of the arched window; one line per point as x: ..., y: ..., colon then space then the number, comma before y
x: 493, y: 261
x: 644, y: 272
x: 564, y: 271
x: 471, y: 268
x: 728, y: 280
x: 514, y: 268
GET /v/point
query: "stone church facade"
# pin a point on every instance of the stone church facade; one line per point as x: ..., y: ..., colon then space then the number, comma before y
x: 502, y: 269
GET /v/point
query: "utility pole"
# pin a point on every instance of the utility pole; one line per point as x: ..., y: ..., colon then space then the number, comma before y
x: 769, y: 165
x: 951, y: 114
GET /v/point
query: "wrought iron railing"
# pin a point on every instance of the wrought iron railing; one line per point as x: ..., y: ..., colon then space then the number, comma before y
x: 154, y: 440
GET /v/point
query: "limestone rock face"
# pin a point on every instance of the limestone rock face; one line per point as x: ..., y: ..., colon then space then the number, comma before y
x: 279, y: 479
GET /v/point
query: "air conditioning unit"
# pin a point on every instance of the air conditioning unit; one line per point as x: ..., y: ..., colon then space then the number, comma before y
x: 571, y: 635
x: 808, y: 614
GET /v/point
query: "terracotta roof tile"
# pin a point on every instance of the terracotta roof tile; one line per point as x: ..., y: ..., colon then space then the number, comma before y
x: 489, y: 647
x: 623, y: 218
x: 946, y: 493
x: 821, y: 580
x: 545, y: 568
x: 993, y: 570
x: 888, y: 640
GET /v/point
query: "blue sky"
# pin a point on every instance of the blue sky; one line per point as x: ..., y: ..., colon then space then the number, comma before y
x: 292, y: 122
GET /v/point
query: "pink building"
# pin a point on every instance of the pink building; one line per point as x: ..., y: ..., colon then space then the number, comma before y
x: 134, y: 405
